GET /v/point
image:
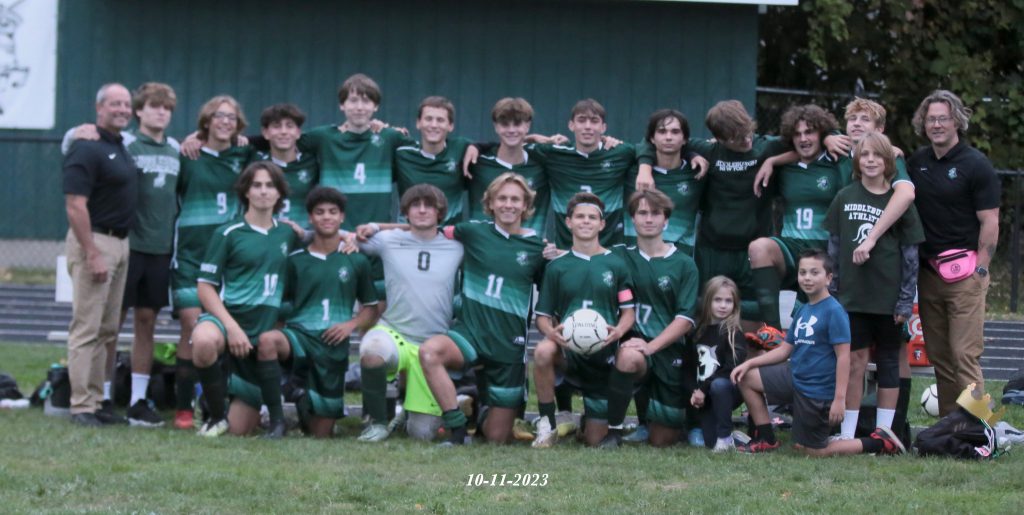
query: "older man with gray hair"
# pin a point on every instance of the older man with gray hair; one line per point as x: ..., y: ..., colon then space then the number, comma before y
x: 100, y: 194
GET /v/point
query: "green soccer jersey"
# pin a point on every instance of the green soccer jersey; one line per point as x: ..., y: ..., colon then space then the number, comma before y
x: 665, y: 288
x: 415, y: 166
x: 302, y: 175
x: 846, y: 170
x: 732, y: 216
x: 247, y: 263
x: 159, y: 163
x: 323, y: 289
x: 874, y: 286
x: 683, y: 188
x: 488, y: 167
x: 601, y: 172
x: 498, y: 274
x: 806, y: 191
x: 575, y: 281
x: 207, y: 200
x: 359, y: 165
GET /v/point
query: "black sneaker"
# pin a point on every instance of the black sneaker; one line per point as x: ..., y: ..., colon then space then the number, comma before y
x: 142, y: 414
x: 612, y: 440
x: 108, y: 416
x: 276, y: 431
x: 456, y: 436
x: 86, y: 420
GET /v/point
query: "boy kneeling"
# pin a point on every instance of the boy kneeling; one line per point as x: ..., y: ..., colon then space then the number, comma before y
x: 815, y: 378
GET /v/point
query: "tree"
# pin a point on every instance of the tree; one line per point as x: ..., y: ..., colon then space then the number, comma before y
x: 902, y: 50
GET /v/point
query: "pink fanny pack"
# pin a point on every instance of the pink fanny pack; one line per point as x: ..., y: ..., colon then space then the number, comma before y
x: 955, y: 265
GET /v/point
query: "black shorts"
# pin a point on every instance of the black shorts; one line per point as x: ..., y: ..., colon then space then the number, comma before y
x: 811, y: 428
x: 148, y: 281
x: 867, y: 329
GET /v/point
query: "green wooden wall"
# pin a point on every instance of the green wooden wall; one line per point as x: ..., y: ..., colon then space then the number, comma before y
x: 632, y: 56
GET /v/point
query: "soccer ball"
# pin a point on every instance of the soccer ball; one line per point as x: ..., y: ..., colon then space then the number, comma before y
x: 585, y: 331
x: 930, y: 400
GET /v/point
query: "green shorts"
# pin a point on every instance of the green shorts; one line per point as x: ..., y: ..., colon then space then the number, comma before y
x: 243, y: 380
x: 418, y: 397
x: 734, y: 264
x: 184, y: 293
x: 667, y: 405
x: 505, y: 382
x: 322, y: 367
x: 590, y: 374
x: 791, y: 249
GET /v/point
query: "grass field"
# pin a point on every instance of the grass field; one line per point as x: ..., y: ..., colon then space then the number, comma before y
x: 49, y: 465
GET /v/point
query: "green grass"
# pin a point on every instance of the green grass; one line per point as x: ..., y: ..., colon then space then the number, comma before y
x: 31, y: 276
x: 49, y: 465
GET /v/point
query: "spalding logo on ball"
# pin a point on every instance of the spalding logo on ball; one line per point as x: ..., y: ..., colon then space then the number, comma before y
x: 585, y: 331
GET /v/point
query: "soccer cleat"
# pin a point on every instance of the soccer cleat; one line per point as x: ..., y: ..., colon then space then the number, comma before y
x: 565, y: 423
x: 739, y: 437
x: 108, y: 416
x: 374, y: 433
x: 723, y: 445
x: 276, y: 431
x: 640, y: 435
x: 767, y: 337
x: 612, y: 440
x: 183, y: 419
x: 213, y: 428
x: 890, y: 444
x: 695, y: 437
x: 142, y: 414
x: 398, y: 422
x: 757, y: 447
x: 522, y: 430
x: 546, y: 435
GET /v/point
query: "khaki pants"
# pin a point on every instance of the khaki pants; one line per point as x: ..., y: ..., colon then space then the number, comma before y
x: 95, y: 316
x: 953, y: 321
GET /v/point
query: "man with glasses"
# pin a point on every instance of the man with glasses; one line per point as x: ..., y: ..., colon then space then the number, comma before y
x: 958, y: 196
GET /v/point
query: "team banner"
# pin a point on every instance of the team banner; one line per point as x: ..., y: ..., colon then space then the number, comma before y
x: 28, y: 63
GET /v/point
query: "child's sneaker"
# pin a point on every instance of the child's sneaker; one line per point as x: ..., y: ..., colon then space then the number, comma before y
x: 723, y: 445
x: 890, y: 444
x: 757, y: 447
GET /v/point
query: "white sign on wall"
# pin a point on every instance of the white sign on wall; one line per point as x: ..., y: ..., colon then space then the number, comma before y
x: 28, y: 63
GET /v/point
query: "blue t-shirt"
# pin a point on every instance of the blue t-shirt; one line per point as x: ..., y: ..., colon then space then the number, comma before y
x: 815, y: 329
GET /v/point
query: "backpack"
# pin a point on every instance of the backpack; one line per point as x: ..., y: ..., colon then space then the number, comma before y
x: 960, y: 435
x: 56, y: 387
x: 9, y: 388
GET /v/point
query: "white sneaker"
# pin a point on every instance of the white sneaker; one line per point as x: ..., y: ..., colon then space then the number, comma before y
x: 374, y: 433
x: 546, y: 435
x: 723, y: 445
x: 739, y: 437
x: 212, y: 429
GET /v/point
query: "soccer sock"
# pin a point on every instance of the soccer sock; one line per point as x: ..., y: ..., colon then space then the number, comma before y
x: 375, y: 386
x: 547, y: 409
x: 213, y: 390
x: 872, y: 445
x: 140, y: 383
x: 885, y: 417
x: 106, y: 390
x: 849, y: 426
x: 184, y: 384
x: 563, y: 397
x: 766, y: 286
x: 454, y: 418
x: 640, y: 399
x: 902, y: 403
x: 764, y: 432
x: 620, y: 390
x: 269, y: 373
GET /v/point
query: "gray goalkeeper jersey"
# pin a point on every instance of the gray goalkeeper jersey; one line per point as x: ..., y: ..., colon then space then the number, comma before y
x: 419, y: 276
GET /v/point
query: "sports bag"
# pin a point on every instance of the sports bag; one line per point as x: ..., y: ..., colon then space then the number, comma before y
x: 960, y: 435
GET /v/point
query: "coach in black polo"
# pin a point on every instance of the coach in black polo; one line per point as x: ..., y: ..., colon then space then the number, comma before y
x: 100, y: 193
x: 958, y: 198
